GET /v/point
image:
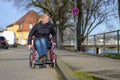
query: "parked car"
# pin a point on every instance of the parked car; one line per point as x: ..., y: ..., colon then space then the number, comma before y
x: 3, y: 42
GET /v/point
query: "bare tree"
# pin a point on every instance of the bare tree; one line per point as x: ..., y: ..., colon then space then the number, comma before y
x: 57, y: 9
x: 92, y: 13
x: 119, y: 8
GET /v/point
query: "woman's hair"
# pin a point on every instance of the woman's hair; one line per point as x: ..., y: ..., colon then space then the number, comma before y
x: 43, y: 16
x: 40, y: 19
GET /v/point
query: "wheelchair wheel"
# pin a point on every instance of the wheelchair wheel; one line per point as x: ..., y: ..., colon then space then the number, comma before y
x: 31, y: 63
x: 52, y: 65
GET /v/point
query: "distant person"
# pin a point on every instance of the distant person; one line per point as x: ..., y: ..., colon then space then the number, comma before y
x: 41, y: 31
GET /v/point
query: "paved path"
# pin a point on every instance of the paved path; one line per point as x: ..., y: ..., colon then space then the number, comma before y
x: 14, y: 65
x: 106, y: 68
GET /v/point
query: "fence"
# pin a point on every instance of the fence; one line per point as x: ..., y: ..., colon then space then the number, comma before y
x: 103, y: 43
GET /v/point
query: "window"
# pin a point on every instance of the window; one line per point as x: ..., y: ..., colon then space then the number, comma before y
x: 21, y: 35
x: 30, y: 26
x: 20, y: 25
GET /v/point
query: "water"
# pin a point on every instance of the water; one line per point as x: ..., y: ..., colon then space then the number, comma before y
x: 93, y: 51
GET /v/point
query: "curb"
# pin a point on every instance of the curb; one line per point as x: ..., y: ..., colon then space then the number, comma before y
x: 66, y: 72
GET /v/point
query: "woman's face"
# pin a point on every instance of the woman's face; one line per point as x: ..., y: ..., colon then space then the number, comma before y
x: 45, y: 19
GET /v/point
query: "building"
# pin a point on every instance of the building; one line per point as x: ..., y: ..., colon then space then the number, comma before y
x: 24, y: 25
x: 13, y: 27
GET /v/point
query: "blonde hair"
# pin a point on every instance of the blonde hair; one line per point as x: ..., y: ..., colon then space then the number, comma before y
x: 41, y: 17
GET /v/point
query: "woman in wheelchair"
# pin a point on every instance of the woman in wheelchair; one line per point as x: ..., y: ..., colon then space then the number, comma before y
x: 41, y: 31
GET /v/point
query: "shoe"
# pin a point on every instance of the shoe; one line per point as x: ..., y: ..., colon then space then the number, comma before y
x: 47, y: 61
x: 38, y: 61
x: 44, y: 58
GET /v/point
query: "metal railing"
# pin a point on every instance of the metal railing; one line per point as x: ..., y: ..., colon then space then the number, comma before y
x: 105, y: 41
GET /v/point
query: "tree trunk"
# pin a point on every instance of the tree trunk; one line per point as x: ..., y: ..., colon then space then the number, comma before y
x: 119, y: 8
x: 60, y: 36
x: 79, y: 36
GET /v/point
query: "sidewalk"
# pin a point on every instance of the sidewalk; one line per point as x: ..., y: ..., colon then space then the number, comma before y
x: 102, y: 67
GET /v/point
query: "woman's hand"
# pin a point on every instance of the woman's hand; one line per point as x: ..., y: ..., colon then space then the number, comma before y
x: 29, y: 46
x: 54, y: 44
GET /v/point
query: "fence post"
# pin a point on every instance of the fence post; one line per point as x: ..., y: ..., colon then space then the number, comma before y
x: 104, y: 43
x: 118, y: 41
x: 87, y: 43
x: 98, y: 50
x: 94, y: 44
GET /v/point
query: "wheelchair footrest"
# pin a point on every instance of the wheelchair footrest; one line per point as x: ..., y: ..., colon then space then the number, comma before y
x: 43, y: 63
x: 49, y: 62
x: 38, y: 63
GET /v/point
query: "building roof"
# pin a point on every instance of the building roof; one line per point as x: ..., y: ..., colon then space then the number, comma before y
x: 29, y: 18
x: 10, y: 25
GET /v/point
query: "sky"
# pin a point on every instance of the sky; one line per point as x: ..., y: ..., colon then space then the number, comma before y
x: 9, y: 13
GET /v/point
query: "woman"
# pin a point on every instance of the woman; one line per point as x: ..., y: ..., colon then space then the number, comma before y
x: 41, y: 31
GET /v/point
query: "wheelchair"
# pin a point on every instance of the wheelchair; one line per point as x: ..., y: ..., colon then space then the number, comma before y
x: 50, y: 60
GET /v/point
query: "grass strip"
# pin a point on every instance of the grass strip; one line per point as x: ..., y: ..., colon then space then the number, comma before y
x: 111, y: 55
x: 86, y: 76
